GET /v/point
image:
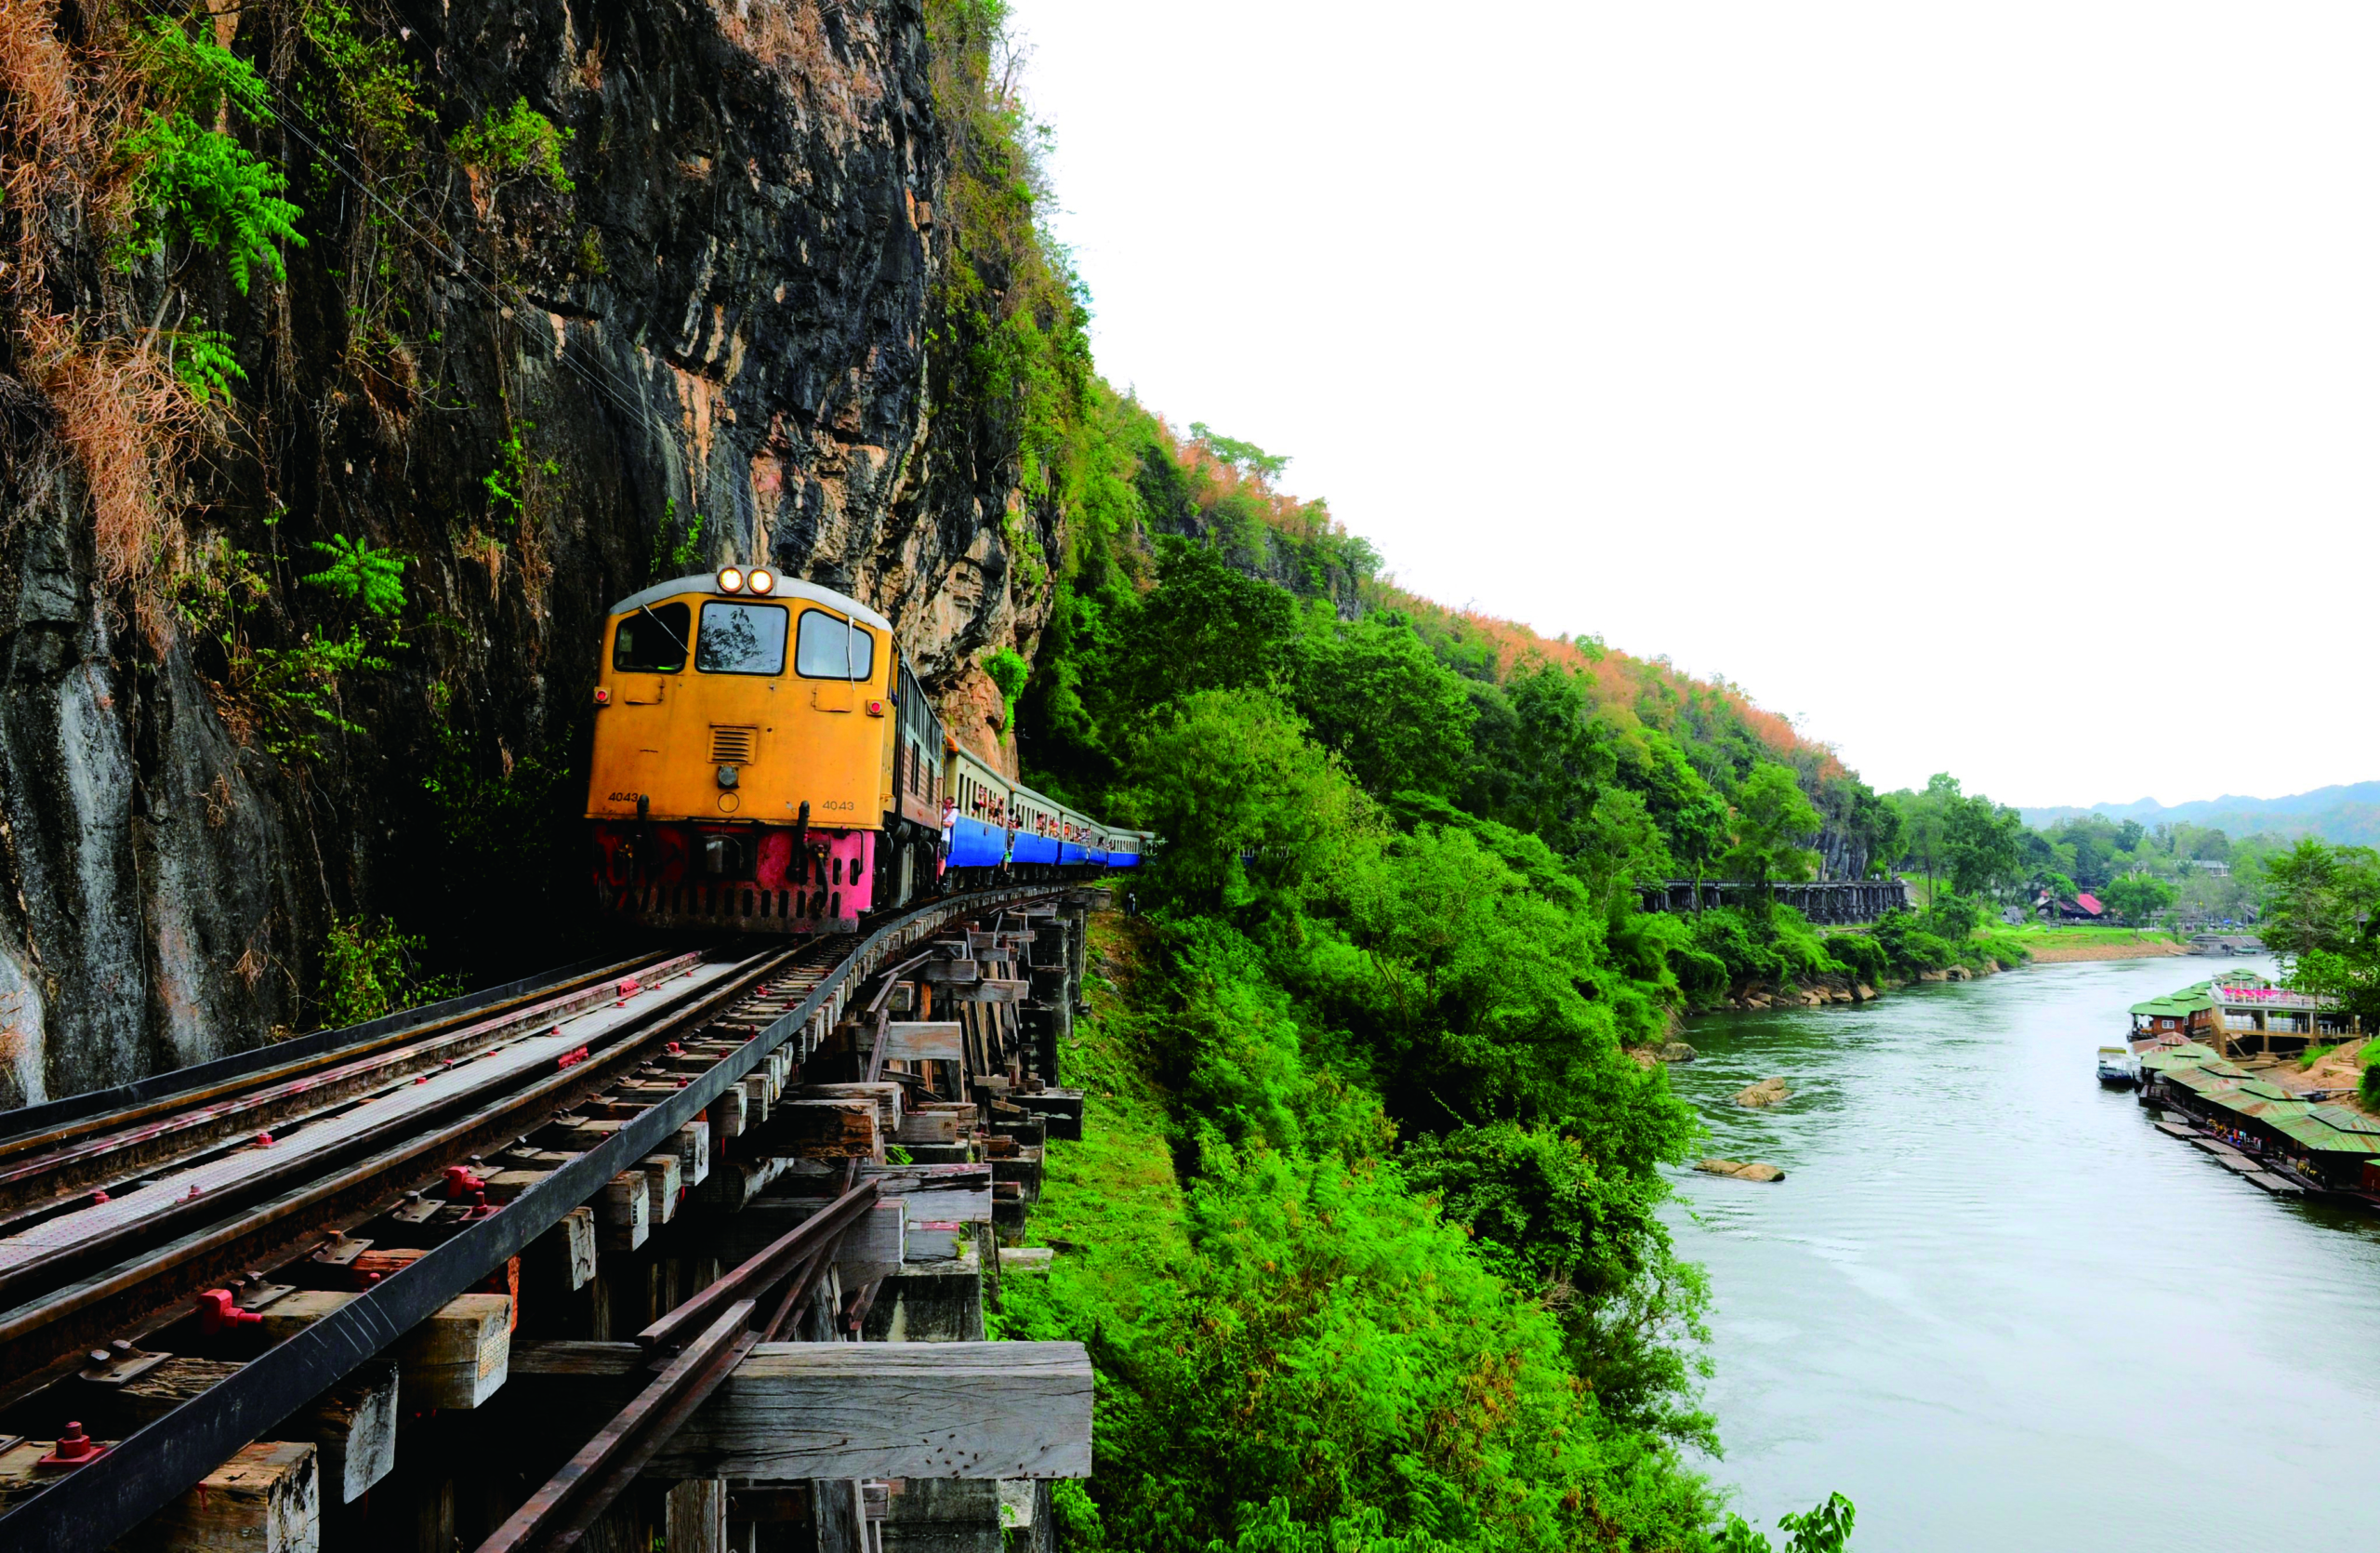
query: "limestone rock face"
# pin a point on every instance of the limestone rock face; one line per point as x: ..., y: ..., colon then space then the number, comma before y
x: 1769, y: 1091
x: 733, y: 317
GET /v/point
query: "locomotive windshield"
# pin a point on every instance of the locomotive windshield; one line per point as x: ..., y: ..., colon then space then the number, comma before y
x: 832, y: 648
x: 654, y: 640
x: 741, y: 638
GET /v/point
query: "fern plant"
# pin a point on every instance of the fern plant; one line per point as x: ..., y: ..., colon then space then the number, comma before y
x: 203, y: 362
x: 194, y: 183
x: 361, y: 574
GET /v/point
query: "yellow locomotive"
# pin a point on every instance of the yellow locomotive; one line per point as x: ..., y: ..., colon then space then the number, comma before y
x: 766, y: 761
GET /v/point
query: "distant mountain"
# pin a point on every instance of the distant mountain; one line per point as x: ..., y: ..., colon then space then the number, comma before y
x: 2349, y: 814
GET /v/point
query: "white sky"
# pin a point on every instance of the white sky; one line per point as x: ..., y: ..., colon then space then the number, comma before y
x: 1992, y: 388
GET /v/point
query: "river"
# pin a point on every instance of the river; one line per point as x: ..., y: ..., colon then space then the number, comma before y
x: 1998, y: 1309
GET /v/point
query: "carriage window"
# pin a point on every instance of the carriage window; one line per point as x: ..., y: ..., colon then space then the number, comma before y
x: 741, y: 638
x: 824, y: 638
x: 653, y: 641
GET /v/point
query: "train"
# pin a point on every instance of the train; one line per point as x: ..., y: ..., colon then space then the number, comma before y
x: 766, y: 761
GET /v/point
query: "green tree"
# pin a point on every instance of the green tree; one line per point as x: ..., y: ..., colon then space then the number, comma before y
x: 2138, y: 898
x: 2322, y: 916
x: 1256, y: 819
x: 1774, y: 824
x: 1983, y: 846
x: 1375, y: 695
x: 1539, y: 760
x: 1205, y: 627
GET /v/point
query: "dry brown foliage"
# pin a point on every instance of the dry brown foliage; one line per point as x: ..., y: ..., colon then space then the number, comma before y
x: 129, y: 421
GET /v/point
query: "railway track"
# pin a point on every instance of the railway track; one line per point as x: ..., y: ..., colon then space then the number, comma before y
x: 151, y: 1220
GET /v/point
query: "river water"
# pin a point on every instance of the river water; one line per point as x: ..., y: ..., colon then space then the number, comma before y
x: 1996, y: 1307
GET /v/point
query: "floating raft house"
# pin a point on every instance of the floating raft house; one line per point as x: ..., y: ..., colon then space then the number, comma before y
x: 2333, y: 1144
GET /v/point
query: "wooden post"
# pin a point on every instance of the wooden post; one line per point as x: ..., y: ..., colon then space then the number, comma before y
x: 839, y: 1519
x: 355, y: 1424
x: 698, y: 1515
x: 266, y: 1499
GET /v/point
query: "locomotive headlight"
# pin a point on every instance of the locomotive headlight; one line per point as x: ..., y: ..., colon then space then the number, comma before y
x: 727, y: 776
x: 730, y: 580
x: 760, y: 581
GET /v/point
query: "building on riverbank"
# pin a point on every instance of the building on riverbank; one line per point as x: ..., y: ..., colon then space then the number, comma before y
x: 2328, y: 1146
x: 2242, y: 1016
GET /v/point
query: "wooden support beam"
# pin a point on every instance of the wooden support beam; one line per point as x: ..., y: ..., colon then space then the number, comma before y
x: 949, y: 971
x: 950, y: 1205
x: 838, y: 1516
x: 830, y: 1129
x: 354, y: 1425
x: 627, y: 1211
x: 662, y: 1178
x: 266, y: 1499
x: 694, y: 1152
x: 734, y: 1183
x: 728, y: 1114
x: 697, y: 1518
x: 458, y: 1358
x: 575, y: 1242
x: 996, y: 991
x: 923, y: 1041
x: 927, y: 1127
x: 884, y: 1094
x: 853, y: 1410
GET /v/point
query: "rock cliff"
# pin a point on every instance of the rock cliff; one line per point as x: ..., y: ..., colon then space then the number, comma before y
x: 717, y: 329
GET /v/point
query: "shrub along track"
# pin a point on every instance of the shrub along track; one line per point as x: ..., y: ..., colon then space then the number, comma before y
x: 118, y: 1211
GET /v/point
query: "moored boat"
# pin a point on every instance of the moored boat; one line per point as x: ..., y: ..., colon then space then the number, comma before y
x: 2118, y: 1067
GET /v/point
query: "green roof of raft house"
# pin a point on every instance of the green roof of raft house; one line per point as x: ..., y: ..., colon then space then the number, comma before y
x: 2335, y: 1145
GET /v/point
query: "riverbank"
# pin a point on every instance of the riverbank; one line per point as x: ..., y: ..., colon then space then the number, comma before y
x: 2135, y: 947
x: 2052, y: 946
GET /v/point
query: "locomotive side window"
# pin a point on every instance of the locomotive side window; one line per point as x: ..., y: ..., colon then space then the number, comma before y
x: 653, y: 641
x: 741, y: 638
x: 833, y: 648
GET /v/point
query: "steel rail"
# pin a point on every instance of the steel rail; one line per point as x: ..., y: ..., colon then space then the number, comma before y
x: 97, y: 1504
x: 147, y: 1290
x: 392, y: 1141
x: 560, y: 1514
x: 55, y: 1122
x: 763, y: 1267
x: 104, y: 1157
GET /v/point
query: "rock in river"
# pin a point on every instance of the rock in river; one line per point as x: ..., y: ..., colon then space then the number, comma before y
x: 1677, y: 1051
x: 1742, y: 1170
x: 1769, y: 1091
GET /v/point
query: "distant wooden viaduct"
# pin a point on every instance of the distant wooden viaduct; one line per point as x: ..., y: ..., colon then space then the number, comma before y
x: 1828, y: 900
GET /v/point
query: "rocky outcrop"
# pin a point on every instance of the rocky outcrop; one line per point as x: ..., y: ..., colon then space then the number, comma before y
x: 732, y: 316
x: 1769, y: 1091
x: 1741, y: 1170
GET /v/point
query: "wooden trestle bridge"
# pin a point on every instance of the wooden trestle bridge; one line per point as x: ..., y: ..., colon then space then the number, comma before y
x: 1827, y: 901
x: 689, y: 1251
